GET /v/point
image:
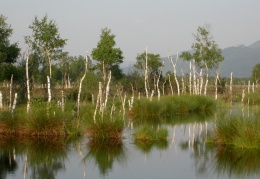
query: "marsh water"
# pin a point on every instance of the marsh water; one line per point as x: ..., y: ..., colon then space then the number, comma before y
x: 185, y: 155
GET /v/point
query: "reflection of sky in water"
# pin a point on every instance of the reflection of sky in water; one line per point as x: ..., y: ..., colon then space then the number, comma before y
x: 185, y: 157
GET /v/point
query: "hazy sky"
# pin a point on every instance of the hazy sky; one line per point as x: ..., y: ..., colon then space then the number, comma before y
x: 160, y: 25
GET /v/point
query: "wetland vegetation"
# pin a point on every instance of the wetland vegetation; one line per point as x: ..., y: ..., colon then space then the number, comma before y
x: 46, y: 107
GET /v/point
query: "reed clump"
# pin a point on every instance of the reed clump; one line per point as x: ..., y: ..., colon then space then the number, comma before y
x: 238, y: 131
x: 252, y: 98
x: 171, y: 106
x: 105, y: 129
x: 43, y: 119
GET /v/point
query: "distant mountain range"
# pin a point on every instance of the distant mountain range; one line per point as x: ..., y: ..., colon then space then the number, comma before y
x: 237, y: 59
x: 240, y: 60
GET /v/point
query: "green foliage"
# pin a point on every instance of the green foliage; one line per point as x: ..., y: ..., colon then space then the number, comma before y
x: 106, y: 55
x: 45, y: 40
x: 238, y: 131
x: 206, y: 51
x: 154, y: 62
x: 8, y: 52
x: 256, y: 73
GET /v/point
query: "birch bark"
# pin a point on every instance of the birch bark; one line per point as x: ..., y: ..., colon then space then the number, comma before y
x: 174, y: 71
x: 28, y: 84
x: 10, y: 93
x: 80, y: 84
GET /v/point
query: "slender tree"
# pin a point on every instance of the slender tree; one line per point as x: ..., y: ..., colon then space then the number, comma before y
x: 206, y: 54
x: 46, y: 43
x: 149, y: 64
x: 107, y: 56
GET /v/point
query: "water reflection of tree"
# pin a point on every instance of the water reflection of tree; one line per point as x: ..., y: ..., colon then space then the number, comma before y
x: 46, y: 157
x: 7, y: 163
x: 43, y: 156
x: 105, y: 153
x: 237, y: 162
x: 196, y: 144
x: 147, y: 146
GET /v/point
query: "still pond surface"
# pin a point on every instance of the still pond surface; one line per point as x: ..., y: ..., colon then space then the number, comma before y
x: 184, y: 155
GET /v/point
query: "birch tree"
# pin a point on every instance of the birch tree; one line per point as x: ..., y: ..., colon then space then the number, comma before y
x: 107, y: 56
x: 46, y: 42
x: 149, y: 64
x: 175, y: 71
x: 80, y: 83
x: 206, y: 54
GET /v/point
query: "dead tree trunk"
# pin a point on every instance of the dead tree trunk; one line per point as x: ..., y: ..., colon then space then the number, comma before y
x: 49, y: 89
x: 230, y: 87
x: 146, y: 74
x: 10, y: 93
x: 28, y: 84
x: 174, y: 71
x: 80, y: 83
x: 107, y: 89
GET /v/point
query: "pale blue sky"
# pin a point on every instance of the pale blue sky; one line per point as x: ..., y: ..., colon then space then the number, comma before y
x: 161, y: 25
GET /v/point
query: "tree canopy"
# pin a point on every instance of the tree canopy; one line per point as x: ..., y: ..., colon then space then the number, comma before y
x: 46, y: 40
x: 206, y: 51
x: 153, y: 63
x: 8, y: 52
x: 106, y: 55
x: 256, y: 72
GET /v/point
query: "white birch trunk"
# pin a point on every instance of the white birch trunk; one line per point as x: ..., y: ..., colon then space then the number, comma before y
x: 201, y: 82
x: 170, y: 83
x: 49, y: 89
x: 10, y: 93
x: 175, y: 71
x: 107, y: 89
x: 123, y: 105
x: 80, y: 84
x: 190, y: 76
x: 1, y: 100
x: 248, y: 87
x: 145, y: 74
x: 99, y: 100
x: 132, y: 98
x: 243, y: 96
x: 230, y: 87
x: 253, y: 87
x: 194, y: 78
x: 157, y: 85
x: 216, y: 85
x: 183, y: 89
x: 14, y: 104
x: 28, y: 84
x: 100, y: 96
x: 207, y: 79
